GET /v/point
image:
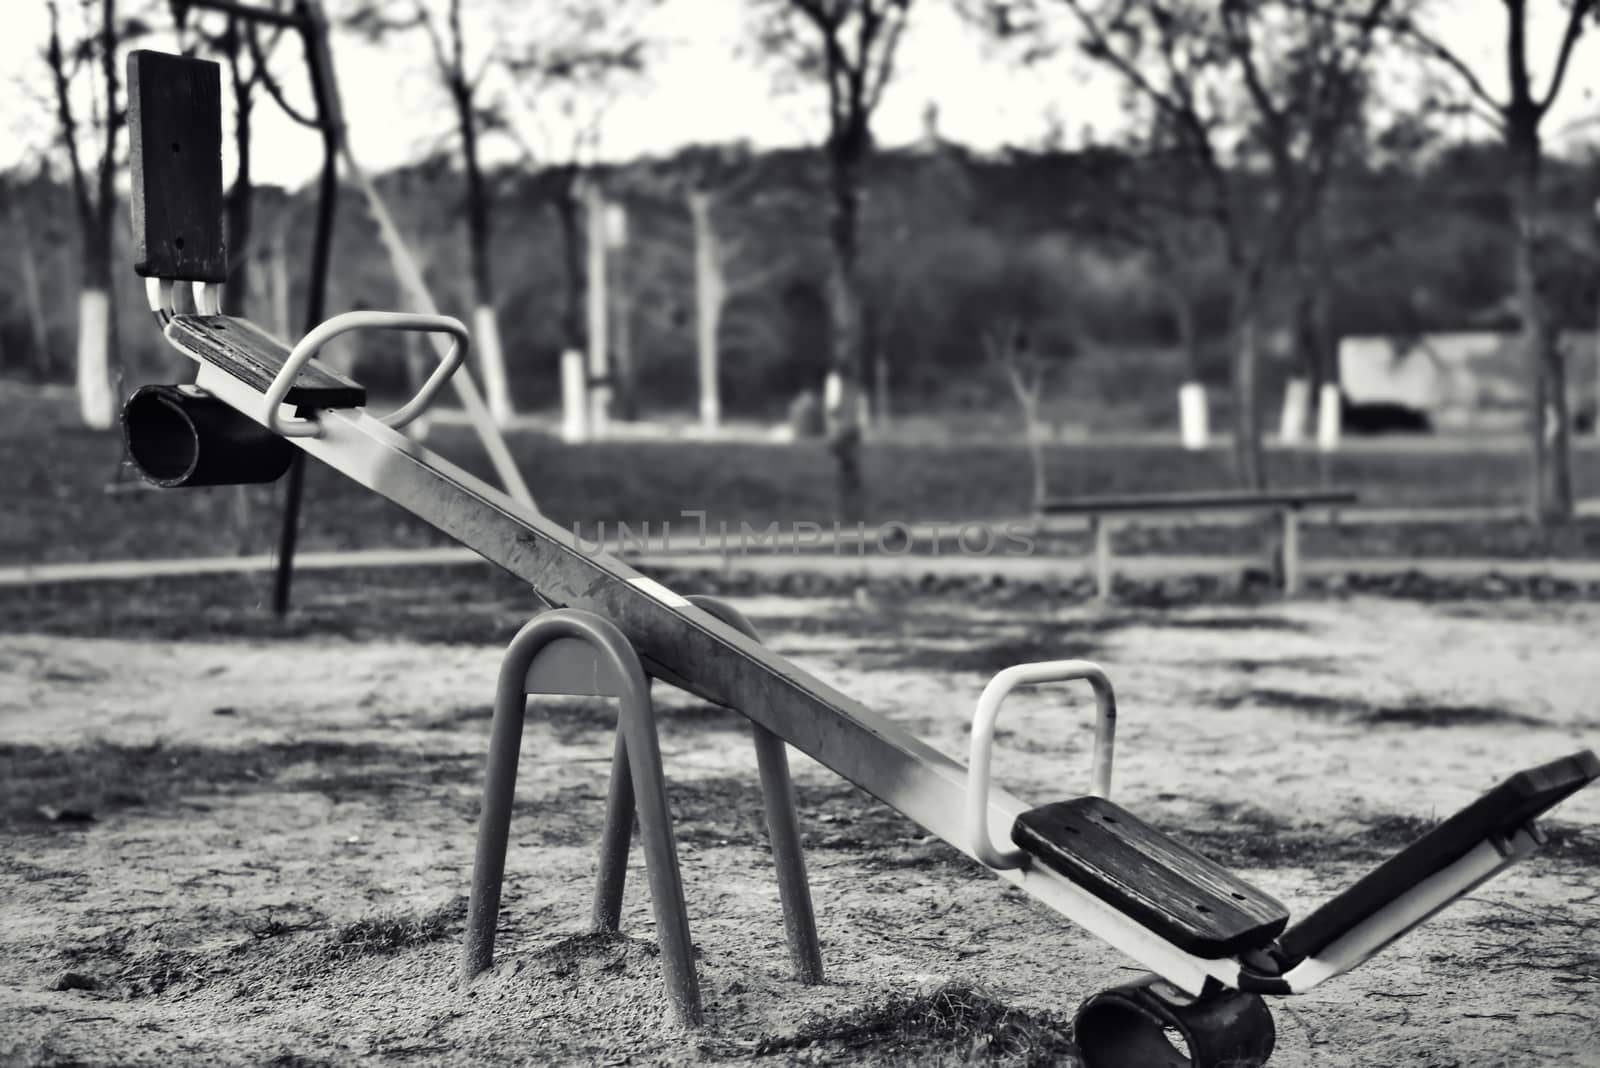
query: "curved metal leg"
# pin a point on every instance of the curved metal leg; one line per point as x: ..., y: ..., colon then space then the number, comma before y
x: 615, y: 840
x: 643, y: 759
x: 494, y: 822
x: 783, y: 828
x: 614, y: 671
x: 1152, y: 1024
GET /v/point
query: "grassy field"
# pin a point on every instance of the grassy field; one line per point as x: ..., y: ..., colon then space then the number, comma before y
x: 53, y: 478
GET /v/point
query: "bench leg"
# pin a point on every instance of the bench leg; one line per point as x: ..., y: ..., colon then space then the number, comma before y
x: 1291, y: 552
x: 1100, y: 530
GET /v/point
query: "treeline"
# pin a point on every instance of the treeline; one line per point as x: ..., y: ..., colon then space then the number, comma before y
x: 952, y: 241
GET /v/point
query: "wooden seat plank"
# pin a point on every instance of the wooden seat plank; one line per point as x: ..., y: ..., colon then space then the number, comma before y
x: 1501, y: 811
x: 1186, y: 898
x: 1217, y: 500
x: 254, y: 357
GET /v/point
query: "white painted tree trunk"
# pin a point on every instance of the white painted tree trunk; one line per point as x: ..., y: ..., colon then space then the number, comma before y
x: 710, y: 292
x: 1194, y: 418
x: 1296, y: 409
x: 574, y: 398
x: 1330, y: 417
x: 96, y: 404
x: 599, y: 341
x: 492, y: 362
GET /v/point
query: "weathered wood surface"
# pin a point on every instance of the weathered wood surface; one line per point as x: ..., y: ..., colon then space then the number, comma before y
x: 175, y: 138
x: 1218, y: 500
x: 1190, y: 900
x: 1501, y: 811
x: 254, y: 357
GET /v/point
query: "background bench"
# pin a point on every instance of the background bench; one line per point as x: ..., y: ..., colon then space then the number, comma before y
x: 1287, y: 503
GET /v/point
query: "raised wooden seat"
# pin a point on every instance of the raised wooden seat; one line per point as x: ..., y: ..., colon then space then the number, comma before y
x: 1499, y: 813
x: 254, y: 357
x: 1191, y: 901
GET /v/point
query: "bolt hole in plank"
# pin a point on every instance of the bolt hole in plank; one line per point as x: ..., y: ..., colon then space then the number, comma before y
x: 1201, y: 908
x: 178, y: 242
x: 176, y: 147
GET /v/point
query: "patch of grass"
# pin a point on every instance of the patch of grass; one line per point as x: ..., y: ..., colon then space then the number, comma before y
x: 1314, y: 665
x: 1319, y: 704
x: 137, y: 962
x: 954, y: 1024
x: 390, y: 932
x: 983, y: 657
x: 55, y: 789
x: 1573, y: 843
x: 723, y: 811
x: 1414, y: 712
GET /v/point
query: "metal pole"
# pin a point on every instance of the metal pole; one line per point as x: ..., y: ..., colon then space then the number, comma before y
x: 316, y: 292
x: 783, y: 827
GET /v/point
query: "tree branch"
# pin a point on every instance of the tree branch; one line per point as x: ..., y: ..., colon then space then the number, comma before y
x: 1569, y: 40
x: 64, y: 113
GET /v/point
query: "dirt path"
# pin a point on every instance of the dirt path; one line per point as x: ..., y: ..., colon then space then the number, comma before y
x: 281, y: 831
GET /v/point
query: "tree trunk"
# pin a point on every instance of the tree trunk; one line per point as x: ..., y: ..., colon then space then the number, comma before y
x: 567, y: 207
x: 598, y: 302
x: 574, y: 373
x: 710, y: 293
x: 1550, y: 496
x: 1250, y: 470
x: 485, y: 324
x: 625, y: 401
x: 843, y: 395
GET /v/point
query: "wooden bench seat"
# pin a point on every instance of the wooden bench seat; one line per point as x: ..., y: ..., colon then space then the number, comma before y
x: 254, y: 357
x: 1186, y: 898
x: 1287, y: 503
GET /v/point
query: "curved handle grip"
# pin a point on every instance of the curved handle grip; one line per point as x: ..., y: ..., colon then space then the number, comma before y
x: 978, y: 759
x: 325, y: 332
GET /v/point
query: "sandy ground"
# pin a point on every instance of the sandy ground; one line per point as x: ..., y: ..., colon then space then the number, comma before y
x: 254, y: 851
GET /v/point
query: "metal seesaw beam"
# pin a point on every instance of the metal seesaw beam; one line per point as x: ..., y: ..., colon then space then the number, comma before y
x: 690, y: 648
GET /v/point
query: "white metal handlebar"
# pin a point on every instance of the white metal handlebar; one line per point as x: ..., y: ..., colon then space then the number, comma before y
x: 978, y: 760
x: 325, y: 332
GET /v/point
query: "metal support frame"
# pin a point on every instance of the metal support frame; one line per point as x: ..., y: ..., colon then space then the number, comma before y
x: 783, y: 830
x: 569, y: 651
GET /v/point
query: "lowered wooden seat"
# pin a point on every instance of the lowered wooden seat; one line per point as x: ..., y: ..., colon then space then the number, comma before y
x: 1497, y: 815
x: 1186, y: 898
x: 255, y: 357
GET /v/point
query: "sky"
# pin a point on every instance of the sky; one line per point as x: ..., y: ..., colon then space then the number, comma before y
x: 706, y: 85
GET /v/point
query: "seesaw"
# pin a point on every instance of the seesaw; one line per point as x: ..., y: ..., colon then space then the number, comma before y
x: 1215, y: 944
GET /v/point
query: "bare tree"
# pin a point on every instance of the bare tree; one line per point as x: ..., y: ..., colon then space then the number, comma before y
x: 462, y: 79
x: 90, y: 141
x: 1518, y: 117
x: 572, y: 60
x: 245, y: 58
x: 851, y: 46
x: 1256, y: 95
x: 713, y: 184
